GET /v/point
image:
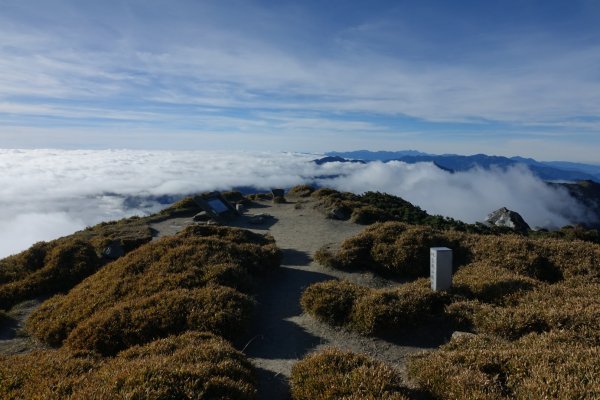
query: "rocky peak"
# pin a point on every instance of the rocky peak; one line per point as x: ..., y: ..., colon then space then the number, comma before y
x: 507, y: 218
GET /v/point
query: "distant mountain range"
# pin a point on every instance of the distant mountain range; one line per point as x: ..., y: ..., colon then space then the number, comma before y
x: 546, y: 170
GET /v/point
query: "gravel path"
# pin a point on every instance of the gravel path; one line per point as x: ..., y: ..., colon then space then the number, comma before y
x: 282, y: 334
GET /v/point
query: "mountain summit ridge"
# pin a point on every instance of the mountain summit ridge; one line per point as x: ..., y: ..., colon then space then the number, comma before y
x: 546, y: 170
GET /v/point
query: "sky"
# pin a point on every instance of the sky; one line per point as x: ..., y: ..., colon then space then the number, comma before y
x: 62, y: 191
x: 511, y: 77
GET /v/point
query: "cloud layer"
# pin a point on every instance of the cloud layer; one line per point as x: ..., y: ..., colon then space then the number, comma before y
x: 48, y: 193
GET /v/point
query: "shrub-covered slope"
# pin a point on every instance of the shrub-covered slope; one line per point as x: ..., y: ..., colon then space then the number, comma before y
x: 335, y: 374
x: 109, y: 306
x: 534, y: 304
x: 56, y: 266
x: 190, y: 366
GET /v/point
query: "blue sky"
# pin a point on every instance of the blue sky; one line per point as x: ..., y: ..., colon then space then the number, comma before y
x: 500, y: 77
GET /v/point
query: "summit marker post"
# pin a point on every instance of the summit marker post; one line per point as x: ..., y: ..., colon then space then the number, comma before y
x: 440, y: 259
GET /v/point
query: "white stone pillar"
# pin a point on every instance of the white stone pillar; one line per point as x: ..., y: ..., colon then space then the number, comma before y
x: 440, y: 259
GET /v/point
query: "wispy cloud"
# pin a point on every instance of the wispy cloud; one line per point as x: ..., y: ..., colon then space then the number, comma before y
x: 169, y: 63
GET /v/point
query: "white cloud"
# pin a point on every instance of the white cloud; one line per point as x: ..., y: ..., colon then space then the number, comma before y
x: 49, y: 193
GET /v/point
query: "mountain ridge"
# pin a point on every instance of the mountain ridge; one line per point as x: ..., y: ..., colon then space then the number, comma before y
x: 546, y: 170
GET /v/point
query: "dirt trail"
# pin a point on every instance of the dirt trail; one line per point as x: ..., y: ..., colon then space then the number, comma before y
x: 282, y: 334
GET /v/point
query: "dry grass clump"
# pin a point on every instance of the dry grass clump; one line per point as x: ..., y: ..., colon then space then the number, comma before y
x: 129, y: 233
x: 491, y: 284
x: 332, y: 301
x: 575, y: 308
x: 301, y: 191
x: 190, y: 366
x: 536, y: 367
x: 51, y: 268
x: 336, y: 374
x: 384, y: 311
x: 216, y: 309
x: 391, y: 248
x: 185, y: 207
x: 192, y: 259
x: 260, y: 196
x: 403, y: 251
x: 373, y: 311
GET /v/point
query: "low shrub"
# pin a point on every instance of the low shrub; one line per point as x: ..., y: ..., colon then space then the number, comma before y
x: 367, y: 215
x: 383, y: 311
x: 18, y: 266
x: 403, y: 251
x: 490, y: 284
x: 185, y: 207
x: 373, y: 311
x: 394, y: 248
x: 336, y: 374
x: 301, y: 191
x: 129, y: 233
x: 223, y: 311
x: 483, y: 367
x: 332, y: 301
x: 189, y: 366
x: 185, y: 261
x: 65, y: 263
x: 575, y: 308
x: 260, y: 196
x: 325, y: 257
x: 235, y: 197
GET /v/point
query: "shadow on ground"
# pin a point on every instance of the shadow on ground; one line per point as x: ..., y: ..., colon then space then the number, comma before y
x: 295, y: 257
x: 271, y: 335
x: 249, y: 221
x: 8, y: 329
x: 427, y: 336
x: 272, y: 385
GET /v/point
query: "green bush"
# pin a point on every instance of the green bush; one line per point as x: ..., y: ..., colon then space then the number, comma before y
x: 336, y: 374
x: 190, y: 366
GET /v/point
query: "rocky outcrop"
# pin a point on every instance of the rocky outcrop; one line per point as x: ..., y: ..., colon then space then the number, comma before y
x: 506, y: 218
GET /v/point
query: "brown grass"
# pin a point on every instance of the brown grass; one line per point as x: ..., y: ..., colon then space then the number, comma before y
x: 336, y: 374
x: 190, y: 366
x: 54, y: 268
x: 373, y: 311
x: 301, y: 191
x: 185, y: 261
x: 536, y: 367
x: 575, y: 308
x: 332, y: 301
x: 403, y: 251
x: 491, y: 284
x: 223, y: 311
x: 391, y: 248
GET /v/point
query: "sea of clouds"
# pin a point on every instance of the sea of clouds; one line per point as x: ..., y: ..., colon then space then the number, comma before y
x: 46, y: 194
